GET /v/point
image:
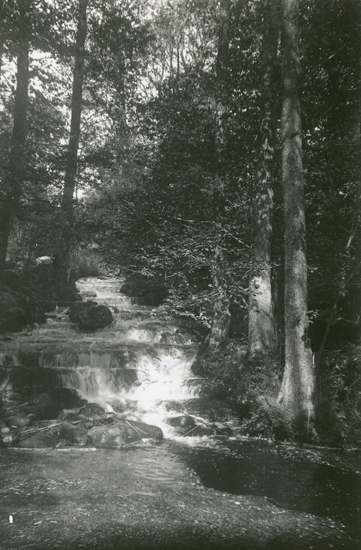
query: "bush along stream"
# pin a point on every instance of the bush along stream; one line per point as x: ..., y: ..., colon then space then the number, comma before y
x: 107, y: 442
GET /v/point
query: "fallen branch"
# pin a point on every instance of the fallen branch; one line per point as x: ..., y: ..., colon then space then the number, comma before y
x: 190, y: 431
x: 136, y: 429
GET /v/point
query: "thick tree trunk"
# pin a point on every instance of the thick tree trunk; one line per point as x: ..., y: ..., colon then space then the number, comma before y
x: 62, y: 263
x: 221, y: 315
x: 297, y: 390
x: 15, y: 173
x: 261, y: 327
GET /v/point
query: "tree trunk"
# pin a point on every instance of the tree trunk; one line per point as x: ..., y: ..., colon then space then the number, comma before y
x: 62, y: 262
x: 261, y: 328
x: 221, y: 316
x: 16, y: 169
x: 297, y: 390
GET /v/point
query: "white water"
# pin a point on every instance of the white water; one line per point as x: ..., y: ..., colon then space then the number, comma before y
x: 152, y: 349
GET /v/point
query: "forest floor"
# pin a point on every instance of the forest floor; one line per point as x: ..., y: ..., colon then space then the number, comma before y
x: 104, y: 499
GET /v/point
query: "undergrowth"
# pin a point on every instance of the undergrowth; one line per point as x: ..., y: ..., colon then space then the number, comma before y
x: 338, y: 420
x: 252, y: 389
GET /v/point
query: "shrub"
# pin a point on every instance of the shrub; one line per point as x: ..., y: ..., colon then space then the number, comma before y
x: 87, y: 263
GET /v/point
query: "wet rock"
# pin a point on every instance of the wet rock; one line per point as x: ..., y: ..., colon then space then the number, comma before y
x: 95, y: 317
x: 146, y: 431
x: 20, y: 420
x: 75, y: 310
x: 69, y: 415
x: 184, y: 421
x: 37, y: 441
x: 43, y: 407
x: 123, y: 432
x: 92, y: 410
x: 119, y: 407
x: 75, y: 435
x: 223, y: 430
x: 112, y: 436
x: 126, y: 289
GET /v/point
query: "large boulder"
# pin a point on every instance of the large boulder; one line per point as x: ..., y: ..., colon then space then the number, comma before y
x: 123, y: 432
x: 146, y: 431
x: 112, y: 436
x: 95, y: 317
x: 76, y: 309
x: 37, y: 441
x: 75, y: 435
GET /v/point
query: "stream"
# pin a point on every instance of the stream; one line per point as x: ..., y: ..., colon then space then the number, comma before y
x: 204, y: 488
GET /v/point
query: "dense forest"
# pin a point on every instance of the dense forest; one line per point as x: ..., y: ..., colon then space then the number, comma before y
x: 208, y: 151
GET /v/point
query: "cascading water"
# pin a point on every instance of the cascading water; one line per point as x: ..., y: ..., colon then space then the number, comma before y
x: 143, y: 362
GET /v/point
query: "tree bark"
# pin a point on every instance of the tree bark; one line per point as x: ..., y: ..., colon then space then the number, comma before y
x: 16, y: 170
x: 297, y: 391
x: 62, y: 262
x: 261, y: 327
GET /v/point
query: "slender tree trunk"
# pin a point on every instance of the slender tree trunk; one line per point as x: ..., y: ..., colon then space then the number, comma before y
x: 297, y: 392
x: 62, y: 263
x: 15, y: 174
x: 221, y: 316
x: 261, y: 327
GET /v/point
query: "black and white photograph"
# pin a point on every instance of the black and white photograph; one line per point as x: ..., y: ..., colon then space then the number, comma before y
x: 180, y: 275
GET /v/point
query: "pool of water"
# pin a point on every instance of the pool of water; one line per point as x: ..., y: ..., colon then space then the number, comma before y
x: 68, y: 495
x: 289, y: 477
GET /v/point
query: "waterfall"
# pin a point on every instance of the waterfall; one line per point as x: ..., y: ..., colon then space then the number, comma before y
x: 140, y: 364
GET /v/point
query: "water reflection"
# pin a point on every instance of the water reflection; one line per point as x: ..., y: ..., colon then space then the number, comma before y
x: 256, y: 468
